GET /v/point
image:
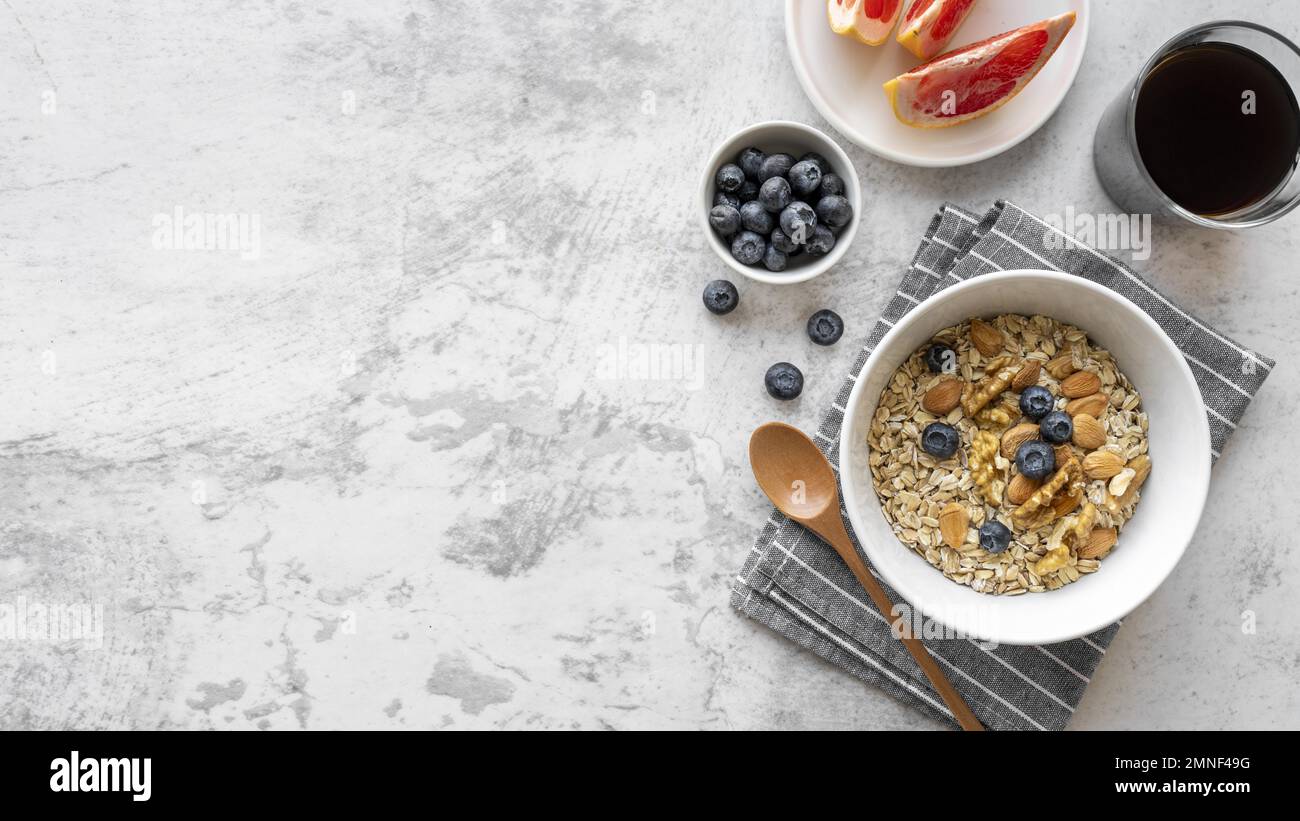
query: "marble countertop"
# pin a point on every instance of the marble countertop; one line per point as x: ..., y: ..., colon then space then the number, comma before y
x: 365, y: 463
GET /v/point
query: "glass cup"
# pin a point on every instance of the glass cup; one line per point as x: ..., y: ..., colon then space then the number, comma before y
x: 1115, y: 146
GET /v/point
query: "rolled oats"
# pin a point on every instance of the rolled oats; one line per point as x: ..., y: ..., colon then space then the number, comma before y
x: 1062, y: 528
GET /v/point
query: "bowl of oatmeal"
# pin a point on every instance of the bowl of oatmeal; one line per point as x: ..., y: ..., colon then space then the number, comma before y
x: 1025, y: 457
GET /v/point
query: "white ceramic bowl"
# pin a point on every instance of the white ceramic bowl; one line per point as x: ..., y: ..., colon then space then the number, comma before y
x: 843, y: 79
x: 1172, y: 498
x: 774, y: 137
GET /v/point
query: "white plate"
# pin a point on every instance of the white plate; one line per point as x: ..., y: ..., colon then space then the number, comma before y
x: 843, y: 78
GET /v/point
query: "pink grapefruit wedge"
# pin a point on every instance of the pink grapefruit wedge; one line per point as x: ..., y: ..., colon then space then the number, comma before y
x: 971, y: 81
x: 868, y: 21
x: 930, y: 24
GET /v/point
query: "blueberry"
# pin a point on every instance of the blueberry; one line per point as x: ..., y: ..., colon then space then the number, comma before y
x: 721, y: 297
x: 775, y: 165
x: 805, y: 176
x: 1056, y: 427
x: 822, y: 164
x: 797, y: 221
x: 941, y: 359
x: 754, y: 217
x: 1035, y: 460
x: 730, y: 177
x: 748, y: 248
x: 1036, y: 401
x: 775, y: 194
x: 822, y: 241
x: 750, y: 161
x: 940, y: 440
x: 832, y: 186
x: 774, y: 258
x: 994, y: 536
x: 834, y: 211
x: 825, y: 327
x: 724, y: 219
x: 784, y: 381
x: 783, y: 242
x: 748, y: 191
x: 727, y: 198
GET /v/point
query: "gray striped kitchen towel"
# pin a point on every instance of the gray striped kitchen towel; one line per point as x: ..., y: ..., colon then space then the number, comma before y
x: 796, y: 585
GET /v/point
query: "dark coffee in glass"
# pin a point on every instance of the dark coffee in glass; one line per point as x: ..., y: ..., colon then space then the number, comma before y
x: 1209, y: 131
x: 1218, y: 128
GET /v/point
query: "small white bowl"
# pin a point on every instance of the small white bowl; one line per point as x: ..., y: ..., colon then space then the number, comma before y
x: 1172, y: 498
x: 774, y: 137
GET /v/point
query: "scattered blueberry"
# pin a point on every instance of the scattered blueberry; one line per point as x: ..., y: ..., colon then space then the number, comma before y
x: 805, y: 176
x: 822, y: 241
x: 822, y: 164
x: 834, y: 210
x: 775, y: 194
x: 940, y: 440
x: 721, y: 297
x: 775, y: 165
x: 825, y: 327
x: 940, y: 358
x: 748, y: 191
x: 994, y: 536
x: 832, y: 186
x: 1056, y: 427
x: 748, y: 248
x: 750, y: 161
x: 782, y: 242
x: 1035, y: 459
x: 754, y: 217
x: 730, y: 177
x: 797, y: 221
x: 727, y: 198
x: 1036, y: 402
x: 774, y: 258
x: 784, y: 381
x: 724, y: 219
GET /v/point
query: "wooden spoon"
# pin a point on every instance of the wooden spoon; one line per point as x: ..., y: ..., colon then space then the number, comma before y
x: 801, y: 483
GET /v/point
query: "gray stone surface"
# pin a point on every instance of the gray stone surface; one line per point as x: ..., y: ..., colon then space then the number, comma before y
x: 379, y: 475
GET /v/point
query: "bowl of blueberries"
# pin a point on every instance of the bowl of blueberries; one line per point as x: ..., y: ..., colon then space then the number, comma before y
x: 780, y: 202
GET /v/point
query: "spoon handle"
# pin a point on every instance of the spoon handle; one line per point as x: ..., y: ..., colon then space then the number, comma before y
x: 830, y: 528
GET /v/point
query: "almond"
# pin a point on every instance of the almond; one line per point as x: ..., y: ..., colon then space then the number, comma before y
x: 1098, y: 543
x: 986, y: 339
x: 1141, y: 466
x: 1080, y: 383
x: 1102, y: 464
x: 1061, y: 367
x: 1063, y: 454
x: 1088, y: 432
x: 1021, y: 488
x: 942, y: 397
x: 953, y: 520
x: 1017, y: 436
x: 1065, y: 503
x: 1093, y: 405
x: 1027, y: 375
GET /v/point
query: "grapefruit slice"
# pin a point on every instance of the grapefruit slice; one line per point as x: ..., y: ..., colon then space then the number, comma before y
x: 971, y: 81
x: 868, y: 21
x: 930, y: 24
